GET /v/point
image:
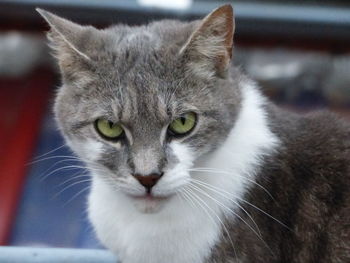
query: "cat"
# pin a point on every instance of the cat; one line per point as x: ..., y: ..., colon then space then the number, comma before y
x: 190, y: 163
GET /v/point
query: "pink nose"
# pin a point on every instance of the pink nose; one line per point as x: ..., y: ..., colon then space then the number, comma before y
x: 148, y: 181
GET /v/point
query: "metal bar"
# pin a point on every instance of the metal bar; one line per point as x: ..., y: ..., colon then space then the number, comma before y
x: 253, y: 19
x: 54, y: 255
x: 265, y: 11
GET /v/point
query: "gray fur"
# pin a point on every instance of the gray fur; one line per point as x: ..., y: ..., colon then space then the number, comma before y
x: 137, y: 76
x: 141, y: 77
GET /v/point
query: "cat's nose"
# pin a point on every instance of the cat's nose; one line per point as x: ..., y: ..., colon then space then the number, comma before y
x: 148, y: 181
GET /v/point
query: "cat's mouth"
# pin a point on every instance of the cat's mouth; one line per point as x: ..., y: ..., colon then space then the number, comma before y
x: 149, y: 203
x: 150, y: 197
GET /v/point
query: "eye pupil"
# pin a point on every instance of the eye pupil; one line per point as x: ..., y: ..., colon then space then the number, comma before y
x: 183, y: 120
x: 109, y: 130
x: 183, y: 125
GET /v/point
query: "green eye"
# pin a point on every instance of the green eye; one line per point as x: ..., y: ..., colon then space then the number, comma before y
x: 183, y: 125
x: 108, y: 129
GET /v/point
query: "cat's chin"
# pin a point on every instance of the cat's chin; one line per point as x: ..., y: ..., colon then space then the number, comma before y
x: 149, y: 204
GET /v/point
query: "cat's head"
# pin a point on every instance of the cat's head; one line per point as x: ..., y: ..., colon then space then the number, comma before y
x: 140, y: 105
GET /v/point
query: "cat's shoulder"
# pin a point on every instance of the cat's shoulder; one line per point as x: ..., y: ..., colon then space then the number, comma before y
x: 326, y: 130
x: 327, y: 120
x: 319, y: 141
x: 316, y: 129
x: 315, y: 144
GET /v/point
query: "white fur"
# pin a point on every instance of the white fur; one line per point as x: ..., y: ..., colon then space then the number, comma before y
x: 239, y: 158
x: 178, y: 176
x: 182, y: 231
x: 88, y: 150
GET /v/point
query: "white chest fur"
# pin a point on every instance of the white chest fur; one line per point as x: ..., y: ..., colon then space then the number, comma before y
x: 174, y: 236
x: 185, y: 232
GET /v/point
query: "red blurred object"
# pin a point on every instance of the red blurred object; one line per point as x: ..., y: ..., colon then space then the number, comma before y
x: 22, y: 104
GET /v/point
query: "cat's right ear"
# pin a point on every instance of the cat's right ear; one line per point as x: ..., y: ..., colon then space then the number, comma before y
x: 72, y: 43
x: 209, y: 49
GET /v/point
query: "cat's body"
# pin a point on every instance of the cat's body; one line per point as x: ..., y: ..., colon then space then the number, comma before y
x: 308, y: 178
x: 307, y: 221
x: 237, y: 180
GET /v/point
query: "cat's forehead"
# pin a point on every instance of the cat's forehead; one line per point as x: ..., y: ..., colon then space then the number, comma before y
x: 156, y: 35
x: 151, y: 101
x: 149, y: 89
x: 134, y: 106
x: 127, y: 97
x: 149, y: 49
x: 139, y: 61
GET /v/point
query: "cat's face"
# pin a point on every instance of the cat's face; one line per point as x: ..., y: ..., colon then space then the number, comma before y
x: 141, y: 105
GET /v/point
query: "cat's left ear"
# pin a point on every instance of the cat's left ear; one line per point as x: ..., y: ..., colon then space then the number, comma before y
x: 72, y: 43
x: 209, y: 49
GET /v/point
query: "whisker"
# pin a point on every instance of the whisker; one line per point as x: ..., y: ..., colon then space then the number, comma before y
x: 183, y: 197
x: 226, y: 173
x: 47, y: 153
x: 249, y: 226
x: 73, y: 178
x: 52, y: 166
x: 54, y: 157
x: 76, y: 195
x: 71, y: 185
x: 222, y: 205
x: 241, y: 199
x: 227, y: 197
x: 189, y: 198
x: 199, y: 201
x: 68, y: 167
x: 265, y: 213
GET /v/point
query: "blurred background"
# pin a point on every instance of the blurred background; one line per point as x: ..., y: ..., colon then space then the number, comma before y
x: 298, y: 50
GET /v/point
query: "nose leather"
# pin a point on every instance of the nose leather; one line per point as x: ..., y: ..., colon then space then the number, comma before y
x: 148, y: 181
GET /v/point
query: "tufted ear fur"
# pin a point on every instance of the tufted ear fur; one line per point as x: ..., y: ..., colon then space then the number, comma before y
x: 209, y: 49
x: 73, y: 44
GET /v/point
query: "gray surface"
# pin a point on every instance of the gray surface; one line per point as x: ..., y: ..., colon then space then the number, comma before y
x: 253, y: 19
x: 267, y: 11
x: 54, y: 255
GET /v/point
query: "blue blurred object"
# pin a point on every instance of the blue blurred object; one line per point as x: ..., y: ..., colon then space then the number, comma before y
x: 52, y: 210
x: 54, y: 255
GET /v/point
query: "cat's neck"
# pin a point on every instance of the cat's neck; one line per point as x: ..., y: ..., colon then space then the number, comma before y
x: 236, y: 163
